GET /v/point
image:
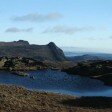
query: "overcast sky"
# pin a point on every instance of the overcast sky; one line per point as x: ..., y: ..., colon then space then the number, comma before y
x: 73, y: 23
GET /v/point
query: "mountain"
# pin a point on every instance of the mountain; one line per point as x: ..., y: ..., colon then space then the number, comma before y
x: 22, y: 48
x: 86, y: 57
x: 104, y: 56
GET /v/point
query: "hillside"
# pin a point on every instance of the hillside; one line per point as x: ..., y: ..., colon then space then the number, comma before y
x: 101, y: 70
x: 17, y: 99
x: 24, y: 49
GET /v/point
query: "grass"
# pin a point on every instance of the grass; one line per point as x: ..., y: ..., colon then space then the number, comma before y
x: 17, y: 99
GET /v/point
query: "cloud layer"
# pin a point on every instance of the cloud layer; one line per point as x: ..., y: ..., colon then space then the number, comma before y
x: 67, y: 29
x: 17, y: 30
x: 36, y: 17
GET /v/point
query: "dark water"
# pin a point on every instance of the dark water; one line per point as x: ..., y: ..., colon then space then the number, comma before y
x: 58, y: 82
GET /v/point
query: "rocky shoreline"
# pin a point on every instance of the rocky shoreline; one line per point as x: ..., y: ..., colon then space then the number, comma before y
x: 18, y: 99
x: 29, y: 64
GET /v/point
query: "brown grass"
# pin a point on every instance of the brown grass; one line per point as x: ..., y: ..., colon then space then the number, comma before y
x: 17, y: 99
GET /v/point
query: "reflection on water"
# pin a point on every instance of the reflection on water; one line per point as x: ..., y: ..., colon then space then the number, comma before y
x: 59, y: 82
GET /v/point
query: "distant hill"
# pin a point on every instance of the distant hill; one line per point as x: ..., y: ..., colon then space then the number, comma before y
x: 22, y: 48
x: 84, y: 58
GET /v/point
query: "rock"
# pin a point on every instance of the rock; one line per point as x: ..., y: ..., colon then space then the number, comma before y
x: 32, y: 77
x: 19, y: 73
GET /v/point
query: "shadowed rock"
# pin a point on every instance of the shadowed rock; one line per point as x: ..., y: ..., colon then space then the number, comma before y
x: 89, y: 102
x: 101, y: 70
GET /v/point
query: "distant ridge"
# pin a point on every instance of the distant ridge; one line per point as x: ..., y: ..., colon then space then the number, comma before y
x: 22, y: 48
x: 85, y: 57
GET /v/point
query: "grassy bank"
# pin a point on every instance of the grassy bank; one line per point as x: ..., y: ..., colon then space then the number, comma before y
x: 17, y: 99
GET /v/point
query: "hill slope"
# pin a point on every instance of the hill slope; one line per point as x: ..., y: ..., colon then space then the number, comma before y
x: 17, y: 99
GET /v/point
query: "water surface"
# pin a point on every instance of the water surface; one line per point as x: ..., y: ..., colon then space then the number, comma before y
x: 58, y: 82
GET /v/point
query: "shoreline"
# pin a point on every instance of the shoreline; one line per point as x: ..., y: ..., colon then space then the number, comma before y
x: 41, y: 91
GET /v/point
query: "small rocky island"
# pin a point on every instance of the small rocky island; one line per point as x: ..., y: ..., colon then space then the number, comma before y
x: 19, y: 73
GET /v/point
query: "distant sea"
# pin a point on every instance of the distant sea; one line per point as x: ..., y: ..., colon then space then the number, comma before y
x: 71, y: 54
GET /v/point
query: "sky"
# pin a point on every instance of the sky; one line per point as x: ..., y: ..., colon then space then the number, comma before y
x: 68, y: 23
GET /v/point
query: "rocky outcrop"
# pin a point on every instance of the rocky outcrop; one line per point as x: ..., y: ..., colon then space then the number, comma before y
x: 57, y: 52
x: 24, y: 49
x: 20, y: 64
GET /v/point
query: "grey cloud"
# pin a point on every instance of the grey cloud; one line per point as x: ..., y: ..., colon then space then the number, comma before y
x: 36, y: 17
x: 67, y: 30
x: 17, y: 30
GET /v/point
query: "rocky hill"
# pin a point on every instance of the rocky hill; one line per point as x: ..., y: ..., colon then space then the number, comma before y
x: 101, y: 70
x: 22, y: 48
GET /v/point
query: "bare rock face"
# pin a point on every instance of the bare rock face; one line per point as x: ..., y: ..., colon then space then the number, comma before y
x: 57, y: 52
x: 22, y: 48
